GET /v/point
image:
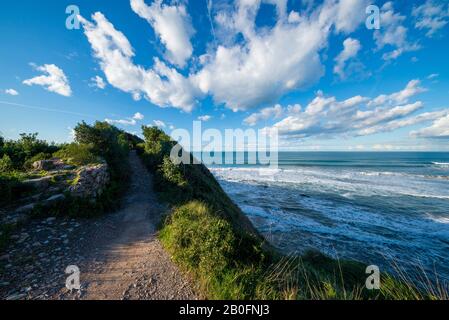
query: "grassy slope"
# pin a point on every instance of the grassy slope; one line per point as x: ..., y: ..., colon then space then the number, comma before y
x: 210, y: 237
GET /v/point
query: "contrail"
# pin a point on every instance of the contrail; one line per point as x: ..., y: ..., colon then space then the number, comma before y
x: 46, y: 109
x: 209, y: 9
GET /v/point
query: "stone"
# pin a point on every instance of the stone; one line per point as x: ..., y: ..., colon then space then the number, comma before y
x: 43, y: 165
x: 26, y: 209
x: 91, y: 181
x: 40, y: 184
x: 17, y: 296
x: 54, y: 199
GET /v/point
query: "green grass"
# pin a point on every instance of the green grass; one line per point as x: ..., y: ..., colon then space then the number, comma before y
x: 211, y: 239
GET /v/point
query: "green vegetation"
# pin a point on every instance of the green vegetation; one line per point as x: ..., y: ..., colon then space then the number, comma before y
x: 23, y: 150
x: 210, y: 238
x: 93, y: 144
x: 77, y: 154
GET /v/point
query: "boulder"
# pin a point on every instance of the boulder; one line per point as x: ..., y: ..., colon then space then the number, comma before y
x: 52, y: 164
x: 43, y: 165
x: 91, y: 181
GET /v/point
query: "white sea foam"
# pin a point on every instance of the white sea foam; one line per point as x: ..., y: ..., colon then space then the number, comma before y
x: 441, y: 164
x: 355, y: 212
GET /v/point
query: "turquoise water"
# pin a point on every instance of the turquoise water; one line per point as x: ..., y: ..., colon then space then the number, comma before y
x: 371, y: 207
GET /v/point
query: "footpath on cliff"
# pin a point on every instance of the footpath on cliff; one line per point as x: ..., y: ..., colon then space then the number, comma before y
x: 118, y: 255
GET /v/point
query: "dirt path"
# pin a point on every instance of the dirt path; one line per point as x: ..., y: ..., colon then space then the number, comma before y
x: 119, y: 255
x: 134, y: 265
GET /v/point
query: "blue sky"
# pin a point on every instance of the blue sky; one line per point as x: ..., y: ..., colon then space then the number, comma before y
x: 310, y: 69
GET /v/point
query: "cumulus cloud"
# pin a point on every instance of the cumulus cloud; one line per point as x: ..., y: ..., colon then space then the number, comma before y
x: 413, y: 88
x: 251, y: 67
x: 138, y: 116
x: 264, y: 114
x: 53, y: 80
x: 128, y: 121
x: 98, y: 82
x: 124, y: 122
x: 161, y: 85
x: 392, y: 33
x: 271, y: 113
x: 11, y: 92
x: 266, y: 65
x: 356, y: 116
x: 173, y: 26
x: 438, y: 130
x: 431, y: 16
x: 351, y: 48
x: 159, y: 123
x: 204, y: 118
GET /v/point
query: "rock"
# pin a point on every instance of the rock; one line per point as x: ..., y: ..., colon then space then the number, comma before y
x: 40, y: 184
x: 52, y: 164
x: 17, y: 296
x: 26, y: 209
x: 50, y: 220
x: 91, y: 181
x: 43, y: 165
x: 54, y: 199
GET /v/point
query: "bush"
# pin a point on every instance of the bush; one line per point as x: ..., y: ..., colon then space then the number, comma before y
x: 77, y: 154
x: 6, y: 164
x: 23, y: 150
x: 172, y: 173
x: 206, y: 246
x: 11, y: 187
x: 40, y: 156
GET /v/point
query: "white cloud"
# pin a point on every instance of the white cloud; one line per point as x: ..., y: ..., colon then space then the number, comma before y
x: 138, y: 116
x: 438, y: 130
x: 172, y: 24
x: 266, y: 65
x: 159, y: 123
x: 204, y: 118
x: 98, y: 82
x: 253, y: 67
x: 350, y: 49
x: 264, y: 114
x: 350, y: 14
x: 431, y: 16
x: 11, y: 92
x: 272, y: 113
x: 128, y: 121
x: 160, y: 85
x: 124, y: 122
x: 53, y: 80
x: 356, y: 116
x: 392, y: 33
x: 413, y: 88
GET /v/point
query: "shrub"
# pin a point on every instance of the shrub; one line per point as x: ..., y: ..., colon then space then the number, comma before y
x: 11, y: 187
x: 172, y: 173
x: 206, y: 246
x: 24, y: 149
x: 6, y: 164
x: 40, y: 156
x: 77, y: 154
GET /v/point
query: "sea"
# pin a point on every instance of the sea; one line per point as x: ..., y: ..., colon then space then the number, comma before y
x: 389, y: 209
